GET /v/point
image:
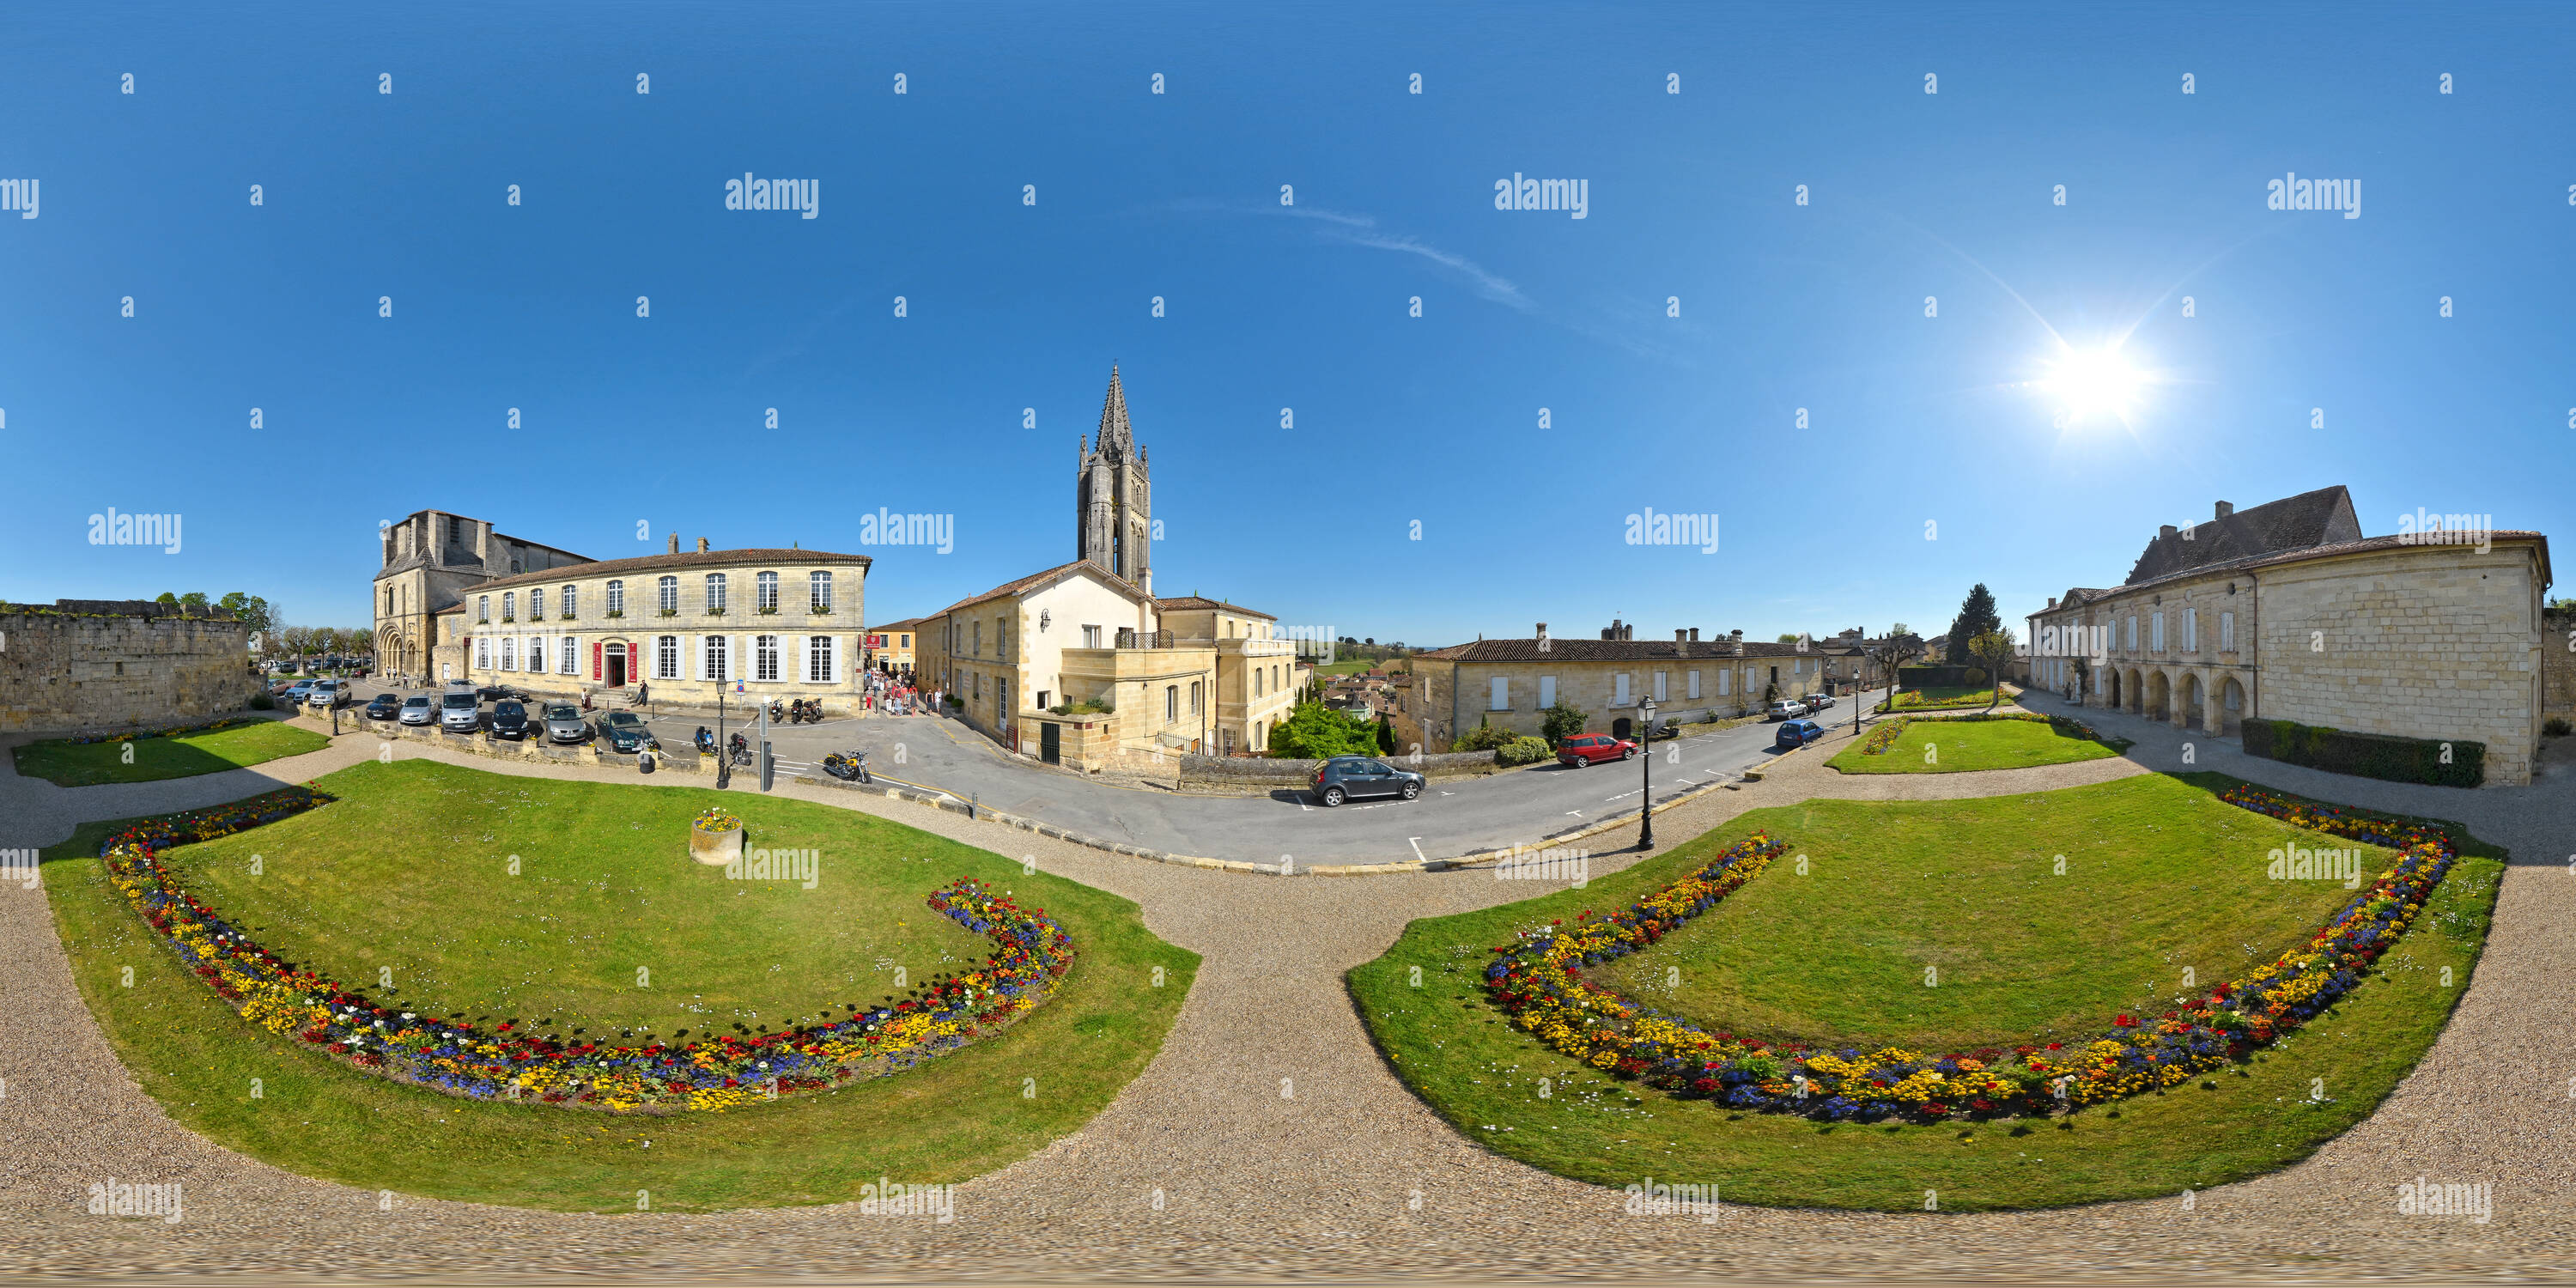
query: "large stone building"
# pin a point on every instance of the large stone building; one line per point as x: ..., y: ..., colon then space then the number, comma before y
x: 458, y: 601
x: 1081, y: 665
x: 2286, y: 611
x: 1510, y: 683
x: 110, y: 665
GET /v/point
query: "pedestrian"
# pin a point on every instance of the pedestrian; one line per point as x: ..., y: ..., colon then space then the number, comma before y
x: 643, y: 693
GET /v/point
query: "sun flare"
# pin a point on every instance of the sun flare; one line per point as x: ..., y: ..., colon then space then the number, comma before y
x: 2090, y: 382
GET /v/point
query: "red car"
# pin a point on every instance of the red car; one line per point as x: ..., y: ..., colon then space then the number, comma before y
x: 1593, y: 748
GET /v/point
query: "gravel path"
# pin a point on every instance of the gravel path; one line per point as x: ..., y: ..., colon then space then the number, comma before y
x: 1319, y: 1185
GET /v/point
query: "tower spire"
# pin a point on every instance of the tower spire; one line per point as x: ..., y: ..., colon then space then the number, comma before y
x: 1117, y: 437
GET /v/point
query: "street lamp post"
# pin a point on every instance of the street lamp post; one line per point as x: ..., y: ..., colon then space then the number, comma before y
x: 1646, y: 814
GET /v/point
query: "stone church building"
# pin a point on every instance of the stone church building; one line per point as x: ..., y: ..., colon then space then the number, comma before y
x: 2285, y: 611
x: 1081, y: 665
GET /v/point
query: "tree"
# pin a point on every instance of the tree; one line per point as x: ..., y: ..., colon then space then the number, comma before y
x: 1899, y: 629
x: 1561, y: 722
x: 1385, y: 737
x: 194, y: 599
x: 1976, y: 617
x: 250, y: 610
x: 1371, y: 641
x: 1788, y: 637
x: 1313, y: 732
x: 1889, y: 654
x: 1995, y: 649
x: 165, y: 597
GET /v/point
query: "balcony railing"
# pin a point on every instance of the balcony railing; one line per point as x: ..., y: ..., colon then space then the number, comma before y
x: 1128, y: 637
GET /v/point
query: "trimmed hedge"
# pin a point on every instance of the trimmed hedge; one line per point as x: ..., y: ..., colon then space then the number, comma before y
x: 2384, y: 756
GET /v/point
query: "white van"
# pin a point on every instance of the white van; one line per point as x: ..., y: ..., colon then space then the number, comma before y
x: 459, y: 711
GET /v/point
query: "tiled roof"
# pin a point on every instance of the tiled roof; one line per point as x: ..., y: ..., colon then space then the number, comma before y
x: 710, y: 559
x: 1036, y: 580
x: 2317, y: 518
x: 904, y: 625
x: 2248, y: 563
x: 1185, y: 603
x: 1583, y: 650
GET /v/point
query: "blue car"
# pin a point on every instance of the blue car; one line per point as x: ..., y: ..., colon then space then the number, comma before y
x: 1796, y: 733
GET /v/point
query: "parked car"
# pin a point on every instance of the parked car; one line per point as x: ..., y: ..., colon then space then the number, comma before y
x: 384, y: 706
x: 624, y: 731
x: 418, y: 710
x: 500, y: 693
x: 1795, y: 734
x: 459, y: 711
x: 331, y: 693
x: 1784, y: 709
x: 563, y: 723
x: 509, y: 720
x: 297, y: 692
x: 1819, y: 702
x: 1352, y: 777
x: 1593, y: 748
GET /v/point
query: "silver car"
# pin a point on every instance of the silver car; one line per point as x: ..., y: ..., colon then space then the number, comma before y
x: 564, y: 723
x: 327, y: 694
x: 418, y: 710
x: 459, y: 711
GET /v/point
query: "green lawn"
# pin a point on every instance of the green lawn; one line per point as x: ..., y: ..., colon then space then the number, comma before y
x: 69, y: 764
x: 415, y: 854
x: 1958, y: 746
x: 2160, y: 876
x: 1941, y: 697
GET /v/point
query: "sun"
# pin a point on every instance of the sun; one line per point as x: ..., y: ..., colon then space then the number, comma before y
x: 2093, y: 382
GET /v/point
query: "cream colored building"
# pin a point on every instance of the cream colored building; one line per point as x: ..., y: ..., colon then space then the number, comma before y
x: 890, y: 647
x: 1510, y: 683
x: 754, y: 624
x: 1078, y: 665
x: 2285, y: 611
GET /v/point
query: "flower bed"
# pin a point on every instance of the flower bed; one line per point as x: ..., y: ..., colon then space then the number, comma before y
x: 1884, y: 736
x: 1537, y: 983
x: 715, y: 819
x: 1032, y: 954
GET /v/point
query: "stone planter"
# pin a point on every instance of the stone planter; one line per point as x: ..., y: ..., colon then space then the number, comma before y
x: 715, y: 849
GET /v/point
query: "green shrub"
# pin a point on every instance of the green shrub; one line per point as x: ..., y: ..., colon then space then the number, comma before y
x: 1523, y: 750
x: 1976, y: 677
x: 1315, y: 732
x: 2556, y: 727
x: 2388, y: 757
x: 262, y: 702
x: 1484, y: 737
x: 1561, y: 722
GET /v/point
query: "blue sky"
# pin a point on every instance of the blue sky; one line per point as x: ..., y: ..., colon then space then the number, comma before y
x: 1913, y: 421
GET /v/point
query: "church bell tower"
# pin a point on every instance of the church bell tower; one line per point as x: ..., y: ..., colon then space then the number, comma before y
x: 1113, y: 499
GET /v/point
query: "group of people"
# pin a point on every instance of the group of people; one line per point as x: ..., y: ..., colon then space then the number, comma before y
x: 896, y: 696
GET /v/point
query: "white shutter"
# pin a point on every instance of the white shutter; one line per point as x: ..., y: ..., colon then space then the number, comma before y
x: 1619, y: 697
x: 1694, y: 684
x: 692, y: 660
x: 1546, y: 691
x: 1502, y: 694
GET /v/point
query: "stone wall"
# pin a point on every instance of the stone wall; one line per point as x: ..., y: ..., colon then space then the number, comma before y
x: 88, y: 665
x: 2437, y: 642
x: 2558, y: 665
x: 1257, y: 770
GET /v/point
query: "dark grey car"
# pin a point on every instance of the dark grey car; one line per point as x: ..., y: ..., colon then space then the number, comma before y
x: 1363, y: 777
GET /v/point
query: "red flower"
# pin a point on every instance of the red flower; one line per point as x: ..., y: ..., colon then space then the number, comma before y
x: 2125, y: 1022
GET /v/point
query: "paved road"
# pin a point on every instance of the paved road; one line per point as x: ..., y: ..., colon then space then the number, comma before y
x: 1452, y: 818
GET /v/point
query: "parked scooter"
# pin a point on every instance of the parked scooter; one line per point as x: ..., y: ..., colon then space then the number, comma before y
x: 777, y: 713
x: 706, y: 741
x: 849, y: 767
x: 741, y: 749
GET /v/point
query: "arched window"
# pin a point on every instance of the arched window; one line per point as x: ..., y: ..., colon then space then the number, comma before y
x: 765, y: 592
x: 537, y: 604
x: 764, y: 656
x: 822, y: 586
x: 666, y: 657
x: 715, y: 594
x: 617, y: 599
x: 482, y: 608
x: 569, y: 656
x: 509, y: 605
x: 818, y: 659
x: 719, y: 657
x: 669, y: 589
x: 1256, y: 681
x: 509, y: 655
x: 1194, y: 697
x: 569, y: 604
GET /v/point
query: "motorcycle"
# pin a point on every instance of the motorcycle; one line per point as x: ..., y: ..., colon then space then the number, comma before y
x: 741, y: 749
x: 706, y: 741
x: 848, y: 766
x: 810, y: 710
x: 777, y: 713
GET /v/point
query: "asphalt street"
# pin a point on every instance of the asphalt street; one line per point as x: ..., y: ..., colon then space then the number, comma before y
x: 1517, y: 806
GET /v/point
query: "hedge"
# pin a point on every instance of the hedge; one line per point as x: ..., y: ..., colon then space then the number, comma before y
x: 2370, y: 755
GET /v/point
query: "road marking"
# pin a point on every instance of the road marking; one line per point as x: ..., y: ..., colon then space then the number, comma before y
x: 1415, y: 842
x: 1575, y: 812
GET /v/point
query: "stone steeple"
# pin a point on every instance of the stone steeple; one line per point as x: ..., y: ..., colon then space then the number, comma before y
x: 1113, y: 499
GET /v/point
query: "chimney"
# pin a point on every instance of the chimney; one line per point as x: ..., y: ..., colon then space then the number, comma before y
x: 1681, y: 643
x: 2167, y: 532
x: 675, y: 543
x: 2052, y: 601
x: 702, y: 545
x: 2226, y: 508
x: 1694, y: 635
x: 1542, y: 630
x: 1737, y: 639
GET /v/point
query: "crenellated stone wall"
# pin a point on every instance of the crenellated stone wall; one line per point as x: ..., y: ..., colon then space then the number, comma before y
x: 87, y: 665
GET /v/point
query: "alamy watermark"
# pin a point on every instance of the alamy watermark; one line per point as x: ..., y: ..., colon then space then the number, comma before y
x: 803, y: 196
x: 894, y: 1198
x: 1555, y: 863
x: 2420, y: 1197
x: 805, y: 867
x: 2299, y: 863
x: 1520, y: 193
x: 1656, y: 1198
x: 2423, y: 528
x: 1651, y: 528
x: 118, y: 1198
x: 116, y: 528
x: 2295, y: 193
x: 18, y: 195
x: 885, y: 528
x: 19, y: 866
